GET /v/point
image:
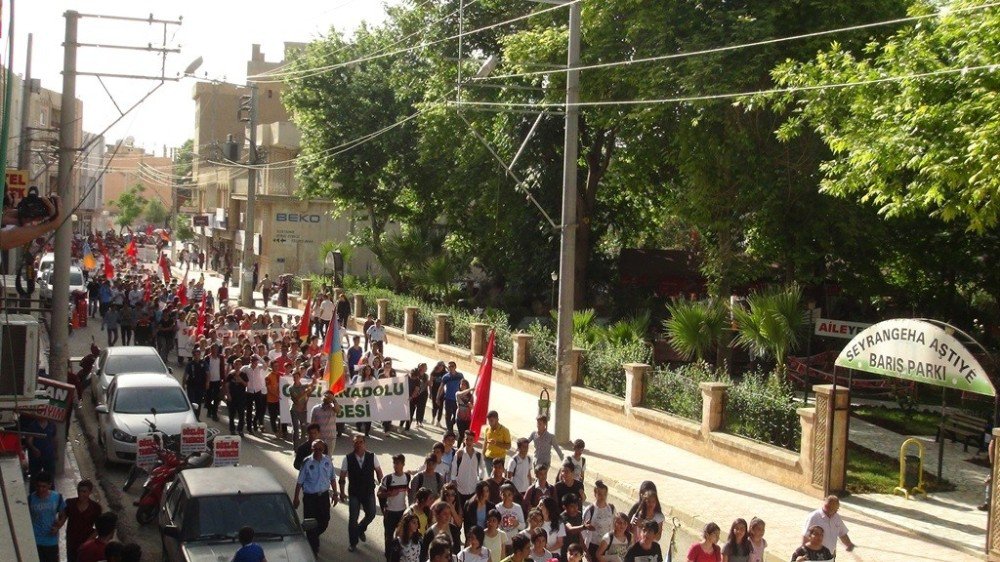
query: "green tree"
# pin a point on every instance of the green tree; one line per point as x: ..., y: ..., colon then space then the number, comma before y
x: 184, y: 162
x: 695, y: 327
x: 909, y: 146
x: 130, y: 205
x: 155, y: 212
x: 772, y: 323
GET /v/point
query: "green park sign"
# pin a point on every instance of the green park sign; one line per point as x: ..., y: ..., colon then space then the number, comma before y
x: 918, y: 351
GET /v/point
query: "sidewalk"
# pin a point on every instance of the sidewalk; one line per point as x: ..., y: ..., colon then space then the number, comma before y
x: 697, y: 490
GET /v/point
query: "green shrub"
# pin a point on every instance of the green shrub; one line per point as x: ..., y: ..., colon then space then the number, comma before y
x: 542, y: 350
x: 761, y: 407
x: 425, y: 322
x: 676, y: 391
x: 504, y: 343
x: 602, y: 365
x: 459, y: 328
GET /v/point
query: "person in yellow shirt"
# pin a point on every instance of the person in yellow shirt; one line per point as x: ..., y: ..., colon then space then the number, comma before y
x: 497, y: 441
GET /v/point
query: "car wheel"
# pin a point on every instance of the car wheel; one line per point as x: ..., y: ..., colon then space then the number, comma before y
x: 133, y: 473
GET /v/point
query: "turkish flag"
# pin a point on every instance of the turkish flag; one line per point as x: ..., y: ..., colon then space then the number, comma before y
x: 200, y: 330
x: 182, y: 292
x: 131, y: 251
x: 109, y: 270
x: 165, y: 267
x: 304, y: 322
x: 481, y: 405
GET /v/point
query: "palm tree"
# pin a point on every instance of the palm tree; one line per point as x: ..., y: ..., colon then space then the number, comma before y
x: 772, y: 324
x: 694, y: 327
x: 626, y: 332
x: 435, y: 277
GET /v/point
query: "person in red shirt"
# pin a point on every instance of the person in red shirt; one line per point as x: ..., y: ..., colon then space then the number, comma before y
x: 93, y: 550
x: 81, y: 514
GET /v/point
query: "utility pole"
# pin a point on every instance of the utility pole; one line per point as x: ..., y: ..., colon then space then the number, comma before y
x: 567, y: 250
x: 249, y: 104
x: 59, y: 326
x: 24, y: 155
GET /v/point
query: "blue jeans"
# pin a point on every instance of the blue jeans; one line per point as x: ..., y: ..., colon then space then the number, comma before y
x: 354, y: 527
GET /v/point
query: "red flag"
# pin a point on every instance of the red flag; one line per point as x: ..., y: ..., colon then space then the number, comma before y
x: 200, y: 330
x: 131, y: 251
x: 304, y: 323
x: 149, y: 230
x: 147, y: 292
x: 182, y: 291
x: 165, y: 267
x: 481, y: 404
x: 109, y: 270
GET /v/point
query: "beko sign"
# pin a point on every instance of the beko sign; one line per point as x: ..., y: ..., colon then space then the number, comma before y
x: 297, y: 217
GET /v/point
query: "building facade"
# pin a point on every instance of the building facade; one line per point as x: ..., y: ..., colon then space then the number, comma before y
x: 129, y: 165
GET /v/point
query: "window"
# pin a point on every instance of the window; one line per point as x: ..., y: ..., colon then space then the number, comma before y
x: 142, y: 400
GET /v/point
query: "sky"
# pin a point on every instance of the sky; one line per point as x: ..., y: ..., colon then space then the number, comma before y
x: 220, y: 31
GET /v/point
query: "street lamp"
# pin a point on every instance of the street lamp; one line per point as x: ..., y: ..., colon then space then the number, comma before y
x: 555, y: 277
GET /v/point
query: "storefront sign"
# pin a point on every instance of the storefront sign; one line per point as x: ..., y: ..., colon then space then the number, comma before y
x: 916, y: 350
x: 194, y: 438
x: 199, y: 220
x: 145, y: 452
x: 60, y: 396
x: 838, y: 328
x: 17, y: 183
x: 227, y: 450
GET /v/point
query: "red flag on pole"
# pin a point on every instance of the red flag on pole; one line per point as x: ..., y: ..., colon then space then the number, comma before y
x: 182, y: 291
x: 200, y: 330
x: 481, y: 405
x: 165, y: 267
x: 304, y: 322
x: 131, y: 251
x: 109, y: 270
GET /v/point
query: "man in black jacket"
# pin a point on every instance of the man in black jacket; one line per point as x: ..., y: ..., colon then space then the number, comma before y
x: 305, y: 449
x: 196, y: 380
x: 364, y: 472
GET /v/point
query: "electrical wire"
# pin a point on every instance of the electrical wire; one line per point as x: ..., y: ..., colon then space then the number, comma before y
x: 322, y: 69
x: 727, y: 48
x: 731, y: 95
x: 260, y: 78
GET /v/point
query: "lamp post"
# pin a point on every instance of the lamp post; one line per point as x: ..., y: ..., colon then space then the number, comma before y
x: 555, y: 278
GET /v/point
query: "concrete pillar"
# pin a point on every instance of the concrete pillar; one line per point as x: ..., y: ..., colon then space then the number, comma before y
x: 635, y: 384
x: 713, y: 406
x: 521, y: 343
x: 478, y: 344
x: 336, y: 294
x: 383, y: 310
x: 410, y: 319
x: 576, y: 365
x: 807, y: 421
x: 993, y: 524
x: 441, y: 333
x: 360, y: 309
x: 306, y: 288
x: 829, y: 467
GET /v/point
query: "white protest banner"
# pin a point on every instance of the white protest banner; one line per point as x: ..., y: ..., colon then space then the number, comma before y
x: 376, y: 400
x: 145, y: 452
x: 372, y: 401
x: 285, y: 404
x: 194, y: 438
x: 227, y: 450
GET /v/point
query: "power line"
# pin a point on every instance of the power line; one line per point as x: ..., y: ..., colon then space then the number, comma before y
x: 672, y: 56
x: 731, y: 95
x: 321, y: 69
x: 275, y: 71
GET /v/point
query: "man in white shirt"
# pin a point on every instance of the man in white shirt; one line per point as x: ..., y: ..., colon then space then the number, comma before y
x: 520, y: 466
x: 468, y: 468
x: 215, y: 365
x: 376, y: 335
x: 326, y: 310
x: 392, y: 492
x: 833, y: 526
x: 256, y: 393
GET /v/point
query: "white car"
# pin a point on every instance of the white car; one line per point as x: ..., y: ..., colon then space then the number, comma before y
x: 76, y: 283
x: 45, y: 264
x: 131, y: 401
x: 123, y: 360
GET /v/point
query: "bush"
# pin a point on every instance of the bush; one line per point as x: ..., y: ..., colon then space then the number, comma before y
x: 676, y: 391
x: 459, y: 328
x: 425, y: 323
x: 504, y: 344
x: 542, y: 350
x: 761, y: 407
x: 602, y: 365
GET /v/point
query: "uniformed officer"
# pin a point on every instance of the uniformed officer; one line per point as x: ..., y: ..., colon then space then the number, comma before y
x: 316, y: 477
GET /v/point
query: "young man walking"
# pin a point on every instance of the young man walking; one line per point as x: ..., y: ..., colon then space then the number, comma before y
x: 362, y: 469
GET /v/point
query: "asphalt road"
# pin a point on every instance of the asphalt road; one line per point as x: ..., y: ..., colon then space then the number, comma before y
x: 276, y: 455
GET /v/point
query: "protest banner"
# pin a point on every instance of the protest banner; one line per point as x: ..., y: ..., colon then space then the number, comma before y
x: 227, y: 450
x: 194, y: 438
x: 285, y: 404
x: 376, y: 400
x: 145, y: 452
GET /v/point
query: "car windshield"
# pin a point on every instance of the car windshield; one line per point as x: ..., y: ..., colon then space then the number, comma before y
x: 214, y: 516
x: 139, y: 400
x: 134, y: 364
x: 75, y: 278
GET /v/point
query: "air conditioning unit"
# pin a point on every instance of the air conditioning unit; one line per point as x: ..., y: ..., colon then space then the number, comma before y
x: 19, y: 346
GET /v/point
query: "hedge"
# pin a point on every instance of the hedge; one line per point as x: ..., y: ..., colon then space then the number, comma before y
x: 762, y: 407
x: 677, y: 391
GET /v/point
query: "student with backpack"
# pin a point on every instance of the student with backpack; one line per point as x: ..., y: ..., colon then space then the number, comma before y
x: 615, y: 544
x: 392, y: 496
x: 598, y: 519
x: 468, y: 469
x: 429, y: 478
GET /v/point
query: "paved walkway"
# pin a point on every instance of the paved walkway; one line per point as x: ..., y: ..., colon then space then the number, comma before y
x: 697, y: 490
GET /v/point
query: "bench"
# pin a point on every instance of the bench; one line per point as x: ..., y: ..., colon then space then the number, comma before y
x: 965, y: 428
